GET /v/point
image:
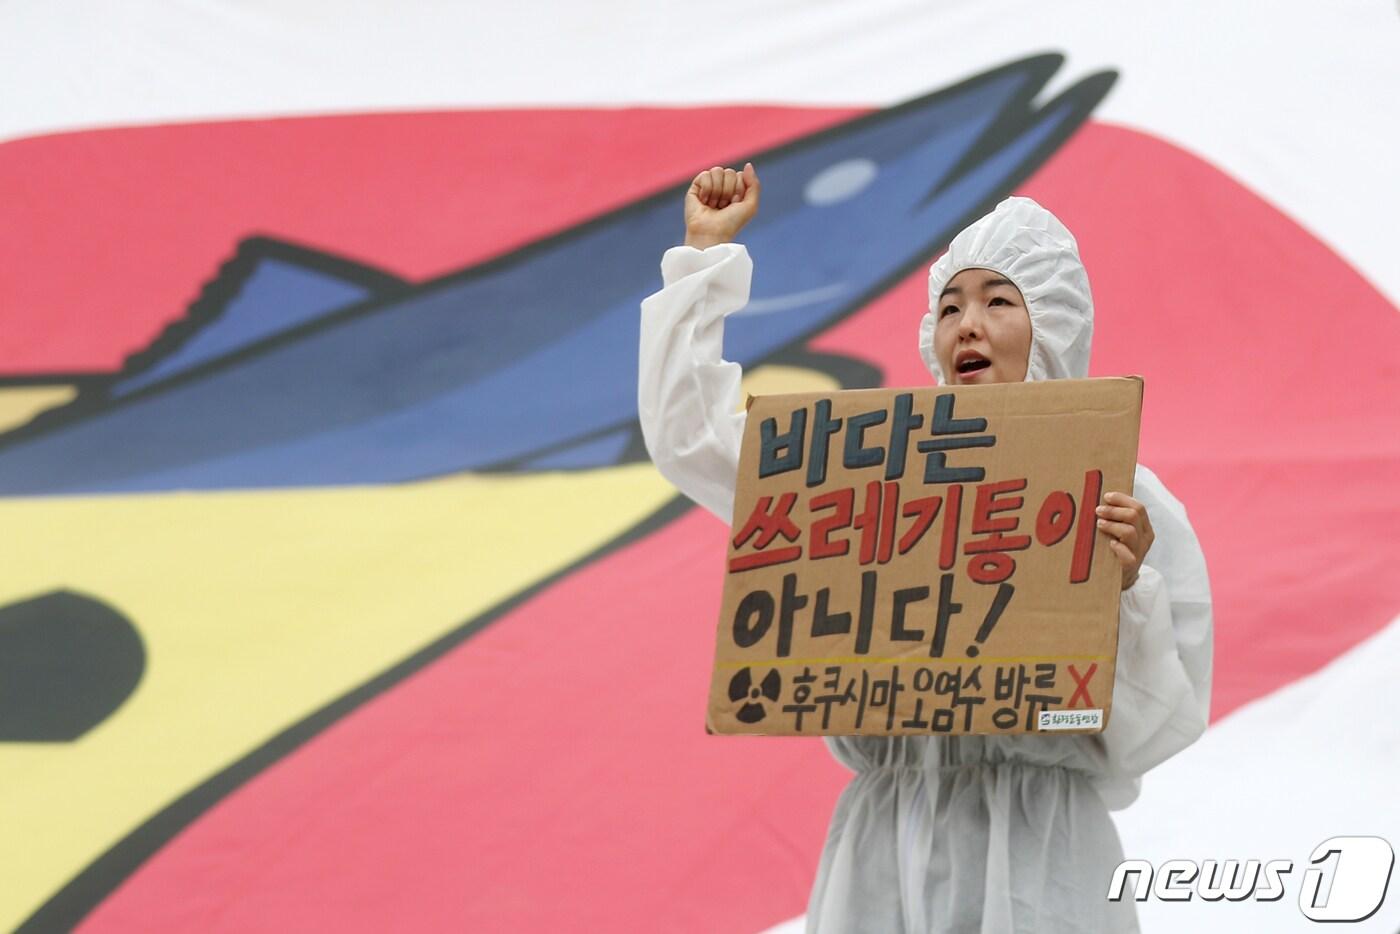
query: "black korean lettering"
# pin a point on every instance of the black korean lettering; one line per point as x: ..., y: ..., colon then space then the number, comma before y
x: 792, y: 602
x: 935, y: 467
x: 905, y: 421
x: 752, y: 618
x: 902, y: 599
x: 946, y: 610
x: 825, y: 622
x: 779, y: 453
x: 866, y: 622
x: 823, y: 427
x: 856, y: 454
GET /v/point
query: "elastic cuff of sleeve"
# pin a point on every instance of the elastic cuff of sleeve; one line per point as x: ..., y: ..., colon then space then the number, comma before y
x: 1135, y: 608
x: 1144, y: 588
x: 681, y: 261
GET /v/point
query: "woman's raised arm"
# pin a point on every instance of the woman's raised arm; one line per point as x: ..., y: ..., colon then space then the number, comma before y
x: 687, y: 393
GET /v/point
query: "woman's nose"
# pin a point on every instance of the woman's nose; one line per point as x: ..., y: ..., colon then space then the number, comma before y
x: 970, y: 322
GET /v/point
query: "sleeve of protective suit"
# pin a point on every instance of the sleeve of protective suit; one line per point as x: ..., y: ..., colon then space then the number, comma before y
x: 1161, y: 692
x: 687, y: 393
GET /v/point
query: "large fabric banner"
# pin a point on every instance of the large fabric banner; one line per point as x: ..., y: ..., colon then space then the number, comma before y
x: 329, y: 539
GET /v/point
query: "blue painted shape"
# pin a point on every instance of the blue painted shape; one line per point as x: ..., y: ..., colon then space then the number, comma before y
x: 275, y: 297
x: 605, y: 450
x: 506, y: 362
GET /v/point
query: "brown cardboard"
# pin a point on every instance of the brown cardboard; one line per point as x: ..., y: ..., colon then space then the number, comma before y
x: 812, y: 641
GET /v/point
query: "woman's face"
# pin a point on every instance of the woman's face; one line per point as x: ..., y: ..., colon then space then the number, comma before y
x: 983, y: 332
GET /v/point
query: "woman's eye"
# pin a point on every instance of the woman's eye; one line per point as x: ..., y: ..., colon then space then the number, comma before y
x: 947, y: 310
x: 998, y: 300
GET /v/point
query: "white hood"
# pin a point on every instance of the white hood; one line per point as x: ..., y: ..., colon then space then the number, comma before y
x: 1028, y: 245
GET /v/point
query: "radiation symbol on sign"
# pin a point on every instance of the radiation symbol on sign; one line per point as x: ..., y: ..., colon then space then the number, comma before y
x: 742, y: 686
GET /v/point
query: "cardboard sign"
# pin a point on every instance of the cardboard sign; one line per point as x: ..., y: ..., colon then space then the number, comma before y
x: 925, y: 561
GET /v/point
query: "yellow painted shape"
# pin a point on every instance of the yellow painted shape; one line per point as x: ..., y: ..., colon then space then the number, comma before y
x: 18, y: 404
x: 257, y: 608
x: 772, y: 379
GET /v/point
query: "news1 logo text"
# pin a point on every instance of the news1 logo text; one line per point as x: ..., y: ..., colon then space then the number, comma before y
x: 1347, y: 881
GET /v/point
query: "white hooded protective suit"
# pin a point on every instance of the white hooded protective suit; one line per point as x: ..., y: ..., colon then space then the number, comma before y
x: 990, y: 834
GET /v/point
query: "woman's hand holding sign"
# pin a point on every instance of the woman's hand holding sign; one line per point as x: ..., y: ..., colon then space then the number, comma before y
x: 1124, y: 520
x: 718, y: 205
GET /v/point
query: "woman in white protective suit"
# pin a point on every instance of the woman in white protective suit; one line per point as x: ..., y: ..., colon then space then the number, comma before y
x: 989, y: 834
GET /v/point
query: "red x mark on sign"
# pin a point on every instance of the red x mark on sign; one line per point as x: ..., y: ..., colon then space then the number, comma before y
x: 1082, y: 685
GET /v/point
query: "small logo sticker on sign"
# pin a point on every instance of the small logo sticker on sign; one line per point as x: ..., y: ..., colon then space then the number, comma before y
x: 1071, y: 719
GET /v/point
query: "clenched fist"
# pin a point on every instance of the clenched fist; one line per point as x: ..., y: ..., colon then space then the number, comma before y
x: 718, y: 205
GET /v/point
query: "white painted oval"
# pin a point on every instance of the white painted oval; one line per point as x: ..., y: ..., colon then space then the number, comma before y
x: 791, y: 300
x: 836, y: 183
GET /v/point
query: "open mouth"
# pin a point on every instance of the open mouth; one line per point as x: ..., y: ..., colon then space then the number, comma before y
x: 972, y: 364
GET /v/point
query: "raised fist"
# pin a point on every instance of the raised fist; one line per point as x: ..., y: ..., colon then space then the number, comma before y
x: 719, y: 203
